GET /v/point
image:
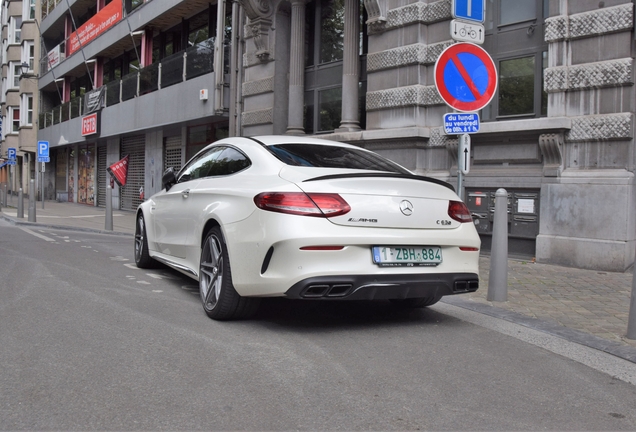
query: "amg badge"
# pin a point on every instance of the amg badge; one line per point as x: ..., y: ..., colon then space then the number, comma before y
x: 363, y: 220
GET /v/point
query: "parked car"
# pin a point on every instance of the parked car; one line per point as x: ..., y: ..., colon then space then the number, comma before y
x: 303, y: 218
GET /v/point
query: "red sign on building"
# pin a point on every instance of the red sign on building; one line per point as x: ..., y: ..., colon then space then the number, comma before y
x: 110, y: 15
x: 89, y: 124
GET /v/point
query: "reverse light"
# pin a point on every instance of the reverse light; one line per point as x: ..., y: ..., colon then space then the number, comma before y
x: 323, y: 205
x: 458, y: 211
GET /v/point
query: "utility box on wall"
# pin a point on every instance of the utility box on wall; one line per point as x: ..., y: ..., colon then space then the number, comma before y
x: 523, y: 218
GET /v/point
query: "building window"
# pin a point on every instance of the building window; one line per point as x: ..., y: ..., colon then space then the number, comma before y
x: 28, y: 10
x: 28, y: 54
x: 201, y: 135
x: 514, y: 38
x: 15, y: 30
x: 14, y: 115
x: 14, y: 74
x: 324, y: 51
x: 516, y: 86
x: 26, y: 108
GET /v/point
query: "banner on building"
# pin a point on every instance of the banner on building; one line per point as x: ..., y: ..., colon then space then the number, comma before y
x: 119, y: 171
x: 55, y: 56
x: 110, y: 15
x: 94, y: 100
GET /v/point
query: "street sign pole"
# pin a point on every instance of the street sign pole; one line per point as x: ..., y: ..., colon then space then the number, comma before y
x: 42, y: 185
x: 460, y: 175
x: 11, y: 181
x: 463, y: 162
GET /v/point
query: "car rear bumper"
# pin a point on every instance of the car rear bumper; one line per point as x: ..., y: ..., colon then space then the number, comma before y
x: 383, y: 287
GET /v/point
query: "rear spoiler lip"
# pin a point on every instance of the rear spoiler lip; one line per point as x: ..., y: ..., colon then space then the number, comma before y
x: 390, y: 175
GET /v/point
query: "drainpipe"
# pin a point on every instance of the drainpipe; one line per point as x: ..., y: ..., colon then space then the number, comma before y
x: 219, y: 59
x: 234, y: 69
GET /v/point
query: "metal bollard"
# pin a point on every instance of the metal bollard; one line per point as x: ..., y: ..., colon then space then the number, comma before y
x: 109, y: 208
x: 32, y: 216
x: 631, y: 319
x: 6, y: 194
x: 20, y: 204
x: 498, y: 279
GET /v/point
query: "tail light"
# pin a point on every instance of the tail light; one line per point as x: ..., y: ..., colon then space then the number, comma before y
x: 299, y: 203
x: 457, y: 210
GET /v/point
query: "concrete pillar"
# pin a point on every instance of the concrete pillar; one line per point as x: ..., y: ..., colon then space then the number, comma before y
x: 297, y: 70
x: 351, y: 68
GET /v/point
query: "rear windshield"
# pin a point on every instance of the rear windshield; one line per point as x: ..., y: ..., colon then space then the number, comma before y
x: 323, y: 156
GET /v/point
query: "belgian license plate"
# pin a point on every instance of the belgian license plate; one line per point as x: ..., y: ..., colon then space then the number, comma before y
x: 407, y: 256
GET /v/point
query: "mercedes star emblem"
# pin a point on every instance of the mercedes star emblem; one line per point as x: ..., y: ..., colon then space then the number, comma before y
x: 406, y: 208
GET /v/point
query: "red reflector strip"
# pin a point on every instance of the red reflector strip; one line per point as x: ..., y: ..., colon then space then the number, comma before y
x: 468, y: 249
x: 322, y: 248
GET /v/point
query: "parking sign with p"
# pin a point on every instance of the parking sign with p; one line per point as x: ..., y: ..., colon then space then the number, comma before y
x: 43, y: 151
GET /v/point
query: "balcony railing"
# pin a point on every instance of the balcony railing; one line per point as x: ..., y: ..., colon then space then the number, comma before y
x: 195, y: 61
x: 48, y: 6
x: 52, y: 58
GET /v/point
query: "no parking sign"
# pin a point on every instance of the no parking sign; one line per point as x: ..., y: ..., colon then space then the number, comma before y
x: 465, y: 77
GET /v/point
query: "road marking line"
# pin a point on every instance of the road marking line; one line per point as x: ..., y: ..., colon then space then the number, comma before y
x: 49, y: 239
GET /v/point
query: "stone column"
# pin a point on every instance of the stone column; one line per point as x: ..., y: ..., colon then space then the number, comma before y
x: 351, y: 68
x: 297, y: 70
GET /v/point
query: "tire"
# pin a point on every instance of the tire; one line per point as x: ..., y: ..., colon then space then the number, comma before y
x: 142, y: 257
x: 414, y: 303
x: 220, y: 300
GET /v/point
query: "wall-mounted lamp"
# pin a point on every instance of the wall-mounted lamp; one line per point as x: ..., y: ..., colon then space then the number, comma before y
x: 24, y: 67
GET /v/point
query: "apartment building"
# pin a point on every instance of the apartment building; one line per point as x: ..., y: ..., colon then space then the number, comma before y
x: 157, y: 80
x: 19, y: 97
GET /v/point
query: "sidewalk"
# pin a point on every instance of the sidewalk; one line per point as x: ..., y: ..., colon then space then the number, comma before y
x: 585, y: 306
x: 69, y: 215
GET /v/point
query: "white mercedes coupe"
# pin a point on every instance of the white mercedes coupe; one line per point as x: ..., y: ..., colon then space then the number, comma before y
x: 303, y: 218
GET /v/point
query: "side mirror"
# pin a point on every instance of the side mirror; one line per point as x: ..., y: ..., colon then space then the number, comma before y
x: 168, y: 178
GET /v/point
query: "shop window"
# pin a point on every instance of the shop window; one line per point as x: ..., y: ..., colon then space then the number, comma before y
x: 86, y: 176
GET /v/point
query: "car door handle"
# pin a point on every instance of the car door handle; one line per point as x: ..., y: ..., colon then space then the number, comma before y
x: 185, y: 193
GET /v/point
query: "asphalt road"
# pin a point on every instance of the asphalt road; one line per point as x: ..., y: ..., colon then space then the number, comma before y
x: 90, y: 342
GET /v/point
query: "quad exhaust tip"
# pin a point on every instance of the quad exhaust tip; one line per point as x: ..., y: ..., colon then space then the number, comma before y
x: 462, y: 286
x: 324, y: 290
